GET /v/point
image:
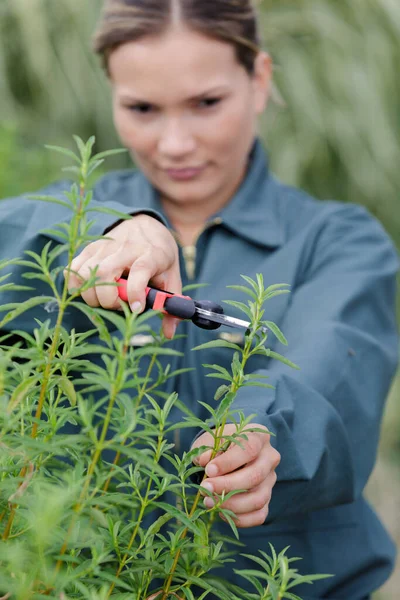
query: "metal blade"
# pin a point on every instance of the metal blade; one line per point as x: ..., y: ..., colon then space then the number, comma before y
x: 225, y: 320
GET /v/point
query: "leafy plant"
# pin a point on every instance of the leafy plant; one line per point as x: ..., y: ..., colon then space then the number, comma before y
x: 109, y: 509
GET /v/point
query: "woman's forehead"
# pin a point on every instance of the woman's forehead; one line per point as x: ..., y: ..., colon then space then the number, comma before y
x: 185, y: 60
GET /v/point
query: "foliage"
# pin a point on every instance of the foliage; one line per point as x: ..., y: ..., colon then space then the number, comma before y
x: 110, y: 510
x: 23, y: 169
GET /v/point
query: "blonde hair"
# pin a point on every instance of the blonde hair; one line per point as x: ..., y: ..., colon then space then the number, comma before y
x: 232, y: 21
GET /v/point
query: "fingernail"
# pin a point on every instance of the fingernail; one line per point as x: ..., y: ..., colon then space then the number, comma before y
x: 136, y: 306
x: 208, y: 486
x: 209, y: 502
x: 174, y: 327
x: 211, y: 470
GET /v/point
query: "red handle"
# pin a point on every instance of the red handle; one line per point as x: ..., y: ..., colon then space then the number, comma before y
x: 176, y: 305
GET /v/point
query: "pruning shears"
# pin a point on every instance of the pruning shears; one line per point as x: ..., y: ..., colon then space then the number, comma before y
x: 203, y: 313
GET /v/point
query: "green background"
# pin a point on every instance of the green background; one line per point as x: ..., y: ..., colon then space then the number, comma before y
x: 332, y: 127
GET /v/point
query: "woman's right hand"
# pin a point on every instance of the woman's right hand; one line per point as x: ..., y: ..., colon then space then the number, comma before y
x: 140, y: 248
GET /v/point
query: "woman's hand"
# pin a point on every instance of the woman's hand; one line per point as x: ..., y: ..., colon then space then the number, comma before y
x: 250, y: 468
x: 141, y: 248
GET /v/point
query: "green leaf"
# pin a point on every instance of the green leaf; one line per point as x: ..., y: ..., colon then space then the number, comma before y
x: 220, y: 369
x: 194, y: 286
x: 18, y: 309
x: 282, y: 359
x: 251, y: 282
x: 93, y: 166
x: 160, y: 522
x: 276, y: 331
x: 51, y: 200
x: 223, y: 389
x: 64, y: 151
x: 276, y: 286
x: 259, y: 384
x: 300, y: 579
x: 81, y: 146
x: 228, y: 516
x: 218, y: 344
x: 240, y: 306
x: 74, y: 170
x: 219, y: 376
x: 225, y: 404
x: 110, y: 211
x: 21, y: 392
x: 108, y: 153
x: 68, y: 389
x: 245, y: 290
x: 139, y: 457
x: 180, y: 516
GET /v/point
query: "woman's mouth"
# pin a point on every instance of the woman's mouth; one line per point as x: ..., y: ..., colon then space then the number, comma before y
x: 184, y: 174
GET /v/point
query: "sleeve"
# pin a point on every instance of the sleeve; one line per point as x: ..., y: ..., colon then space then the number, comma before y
x: 341, y: 329
x: 22, y: 227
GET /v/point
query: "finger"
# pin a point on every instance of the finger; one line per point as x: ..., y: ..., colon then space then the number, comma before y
x: 111, y: 269
x: 237, y: 456
x: 253, y: 519
x: 245, y: 478
x: 143, y: 269
x: 169, y: 326
x: 205, y: 439
x: 204, y: 458
x: 108, y: 294
x: 248, y: 502
x: 169, y: 280
x: 78, y: 262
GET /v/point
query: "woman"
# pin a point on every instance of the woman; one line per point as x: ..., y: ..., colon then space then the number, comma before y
x: 189, y: 80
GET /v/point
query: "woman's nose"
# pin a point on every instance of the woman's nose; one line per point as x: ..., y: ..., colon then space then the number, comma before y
x: 176, y: 140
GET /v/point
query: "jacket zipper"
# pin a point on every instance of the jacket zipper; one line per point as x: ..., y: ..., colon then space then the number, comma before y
x: 189, y: 253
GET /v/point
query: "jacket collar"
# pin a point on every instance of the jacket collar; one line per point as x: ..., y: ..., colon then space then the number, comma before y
x: 253, y: 213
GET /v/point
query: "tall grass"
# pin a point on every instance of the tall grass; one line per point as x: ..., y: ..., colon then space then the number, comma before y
x: 338, y: 71
x: 338, y: 134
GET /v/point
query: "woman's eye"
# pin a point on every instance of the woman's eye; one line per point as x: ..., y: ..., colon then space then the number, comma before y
x: 209, y: 102
x: 142, y: 108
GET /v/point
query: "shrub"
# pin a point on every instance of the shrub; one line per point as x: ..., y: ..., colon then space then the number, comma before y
x: 83, y: 514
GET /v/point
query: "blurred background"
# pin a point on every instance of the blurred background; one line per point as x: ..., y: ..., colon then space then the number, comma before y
x: 333, y: 126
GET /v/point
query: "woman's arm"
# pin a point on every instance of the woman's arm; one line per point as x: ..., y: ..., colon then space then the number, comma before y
x: 341, y: 328
x: 142, y: 240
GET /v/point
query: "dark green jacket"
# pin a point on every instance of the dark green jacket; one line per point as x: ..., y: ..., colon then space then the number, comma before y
x: 340, y: 323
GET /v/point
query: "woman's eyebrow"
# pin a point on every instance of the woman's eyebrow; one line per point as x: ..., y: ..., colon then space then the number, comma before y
x: 214, y: 90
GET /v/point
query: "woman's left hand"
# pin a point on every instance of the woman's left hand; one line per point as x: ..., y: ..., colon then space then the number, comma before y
x: 250, y: 468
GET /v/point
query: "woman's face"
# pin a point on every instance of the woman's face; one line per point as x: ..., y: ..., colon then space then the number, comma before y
x: 187, y: 111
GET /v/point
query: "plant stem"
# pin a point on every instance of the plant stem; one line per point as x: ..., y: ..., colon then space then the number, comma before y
x: 140, y: 517
x: 52, y: 352
x: 235, y: 386
x: 141, y: 394
x: 96, y: 456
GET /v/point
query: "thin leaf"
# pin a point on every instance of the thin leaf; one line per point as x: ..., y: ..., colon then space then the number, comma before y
x: 180, y: 516
x: 64, y: 151
x: 108, y: 153
x: 245, y: 290
x: 218, y: 344
x: 68, y: 389
x: 51, y: 200
x: 18, y: 309
x: 223, y: 389
x: 283, y: 360
x: 276, y: 331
